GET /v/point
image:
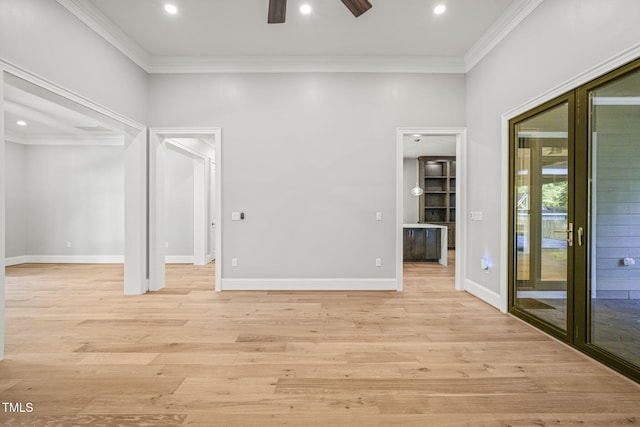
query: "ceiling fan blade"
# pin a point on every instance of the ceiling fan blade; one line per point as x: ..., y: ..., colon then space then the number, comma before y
x: 277, y: 11
x: 357, y: 7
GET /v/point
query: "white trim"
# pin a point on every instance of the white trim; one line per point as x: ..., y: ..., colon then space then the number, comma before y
x: 66, y: 259
x: 41, y: 82
x: 178, y: 259
x: 399, y: 208
x: 304, y: 64
x: 592, y: 73
x: 507, y: 22
x: 15, y: 260
x: 461, y: 204
x: 3, y: 194
x: 98, y: 22
x: 201, y: 191
x: 503, y: 303
x: 157, y: 136
x: 91, y: 16
x: 486, y: 295
x: 135, y: 280
x: 308, y: 284
x: 136, y: 205
x: 181, y: 147
x: 68, y: 140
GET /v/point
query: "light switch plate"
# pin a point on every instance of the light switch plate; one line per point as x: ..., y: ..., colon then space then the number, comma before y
x: 235, y: 216
x: 475, y: 216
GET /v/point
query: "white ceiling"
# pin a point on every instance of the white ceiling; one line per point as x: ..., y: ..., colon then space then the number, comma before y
x: 232, y: 35
x: 49, y: 122
x: 211, y: 35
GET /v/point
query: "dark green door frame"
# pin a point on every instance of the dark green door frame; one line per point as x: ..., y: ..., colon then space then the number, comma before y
x: 579, y: 314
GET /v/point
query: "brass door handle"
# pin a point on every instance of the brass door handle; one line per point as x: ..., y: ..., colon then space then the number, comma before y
x: 580, y: 235
x: 569, y: 232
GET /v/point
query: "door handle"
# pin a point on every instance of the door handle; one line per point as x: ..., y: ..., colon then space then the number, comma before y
x: 580, y: 235
x: 569, y: 232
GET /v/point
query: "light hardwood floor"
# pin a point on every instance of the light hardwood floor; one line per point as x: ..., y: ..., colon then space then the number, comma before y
x: 84, y: 354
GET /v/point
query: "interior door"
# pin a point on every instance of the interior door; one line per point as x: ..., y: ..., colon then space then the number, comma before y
x: 542, y: 216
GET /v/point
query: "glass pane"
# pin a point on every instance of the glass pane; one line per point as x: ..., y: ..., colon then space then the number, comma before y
x: 541, y: 186
x: 615, y: 217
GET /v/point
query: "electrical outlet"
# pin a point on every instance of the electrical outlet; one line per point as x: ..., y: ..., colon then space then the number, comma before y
x: 378, y: 216
x: 68, y: 244
x: 234, y: 262
x: 166, y: 244
x: 378, y: 262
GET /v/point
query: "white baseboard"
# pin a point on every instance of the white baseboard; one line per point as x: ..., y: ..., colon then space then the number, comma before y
x: 486, y: 295
x: 66, y: 259
x: 178, y: 259
x: 16, y: 260
x: 309, y: 285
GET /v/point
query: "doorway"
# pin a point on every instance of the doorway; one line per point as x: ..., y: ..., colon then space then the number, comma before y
x: 66, y: 131
x: 575, y: 218
x: 408, y: 207
x: 201, y: 149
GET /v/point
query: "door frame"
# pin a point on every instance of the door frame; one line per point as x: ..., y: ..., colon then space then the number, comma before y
x: 135, y: 135
x: 158, y: 137
x: 460, y: 134
x: 534, y: 264
x: 582, y: 78
x: 580, y: 86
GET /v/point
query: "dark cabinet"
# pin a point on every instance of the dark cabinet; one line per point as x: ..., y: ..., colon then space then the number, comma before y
x: 438, y: 203
x: 421, y: 244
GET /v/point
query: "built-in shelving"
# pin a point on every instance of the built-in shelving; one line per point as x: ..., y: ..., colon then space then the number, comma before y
x: 438, y: 203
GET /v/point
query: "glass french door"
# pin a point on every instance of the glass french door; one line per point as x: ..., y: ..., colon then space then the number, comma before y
x: 610, y: 308
x: 574, y: 268
x: 542, y: 150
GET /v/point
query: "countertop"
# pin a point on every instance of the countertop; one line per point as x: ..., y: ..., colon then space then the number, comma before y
x: 423, y: 226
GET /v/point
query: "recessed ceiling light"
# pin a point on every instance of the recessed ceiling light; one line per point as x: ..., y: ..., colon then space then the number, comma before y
x: 305, y: 9
x: 21, y: 123
x: 439, y: 9
x: 170, y: 9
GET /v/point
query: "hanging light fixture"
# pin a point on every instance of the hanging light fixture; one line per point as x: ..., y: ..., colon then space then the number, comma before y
x: 417, y: 191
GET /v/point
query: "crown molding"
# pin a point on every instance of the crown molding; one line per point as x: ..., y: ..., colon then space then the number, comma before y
x: 98, y: 22
x: 507, y: 22
x: 76, y: 140
x: 318, y: 64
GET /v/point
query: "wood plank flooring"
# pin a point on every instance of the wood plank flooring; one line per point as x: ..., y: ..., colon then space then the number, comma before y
x: 84, y: 354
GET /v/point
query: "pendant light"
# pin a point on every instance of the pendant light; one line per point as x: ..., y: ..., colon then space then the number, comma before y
x: 417, y: 191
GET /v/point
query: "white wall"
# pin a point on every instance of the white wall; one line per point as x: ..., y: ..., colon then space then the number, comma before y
x: 179, y: 203
x: 67, y: 194
x: 309, y: 159
x: 411, y: 203
x: 15, y: 200
x: 44, y: 38
x: 558, y: 41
